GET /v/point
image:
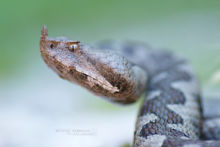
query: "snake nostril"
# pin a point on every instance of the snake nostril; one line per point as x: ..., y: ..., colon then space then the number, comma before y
x: 51, y: 46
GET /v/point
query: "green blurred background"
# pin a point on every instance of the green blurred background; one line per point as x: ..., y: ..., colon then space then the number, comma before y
x: 30, y: 92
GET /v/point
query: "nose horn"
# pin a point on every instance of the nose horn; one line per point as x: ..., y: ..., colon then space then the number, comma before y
x: 44, y: 33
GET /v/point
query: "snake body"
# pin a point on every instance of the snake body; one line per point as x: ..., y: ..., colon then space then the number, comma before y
x: 171, y: 114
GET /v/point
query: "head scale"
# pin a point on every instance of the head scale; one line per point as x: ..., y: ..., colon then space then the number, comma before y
x: 104, y: 73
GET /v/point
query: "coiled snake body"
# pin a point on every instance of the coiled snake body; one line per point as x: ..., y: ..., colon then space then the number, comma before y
x: 171, y: 114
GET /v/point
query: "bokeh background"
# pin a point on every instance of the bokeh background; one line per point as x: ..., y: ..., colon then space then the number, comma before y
x: 37, y: 108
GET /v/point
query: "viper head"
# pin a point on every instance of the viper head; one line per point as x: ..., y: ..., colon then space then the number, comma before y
x: 102, y: 72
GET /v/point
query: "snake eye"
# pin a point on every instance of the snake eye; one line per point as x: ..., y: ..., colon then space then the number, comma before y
x: 73, y: 47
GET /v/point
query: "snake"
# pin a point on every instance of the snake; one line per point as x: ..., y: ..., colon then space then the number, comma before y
x: 171, y: 113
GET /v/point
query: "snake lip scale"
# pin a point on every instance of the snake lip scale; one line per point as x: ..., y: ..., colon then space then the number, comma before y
x: 171, y: 114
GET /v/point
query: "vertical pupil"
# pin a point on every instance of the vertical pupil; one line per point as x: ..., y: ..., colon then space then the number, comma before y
x: 73, y: 47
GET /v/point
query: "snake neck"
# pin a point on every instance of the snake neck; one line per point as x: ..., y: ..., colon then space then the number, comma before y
x: 171, y: 110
